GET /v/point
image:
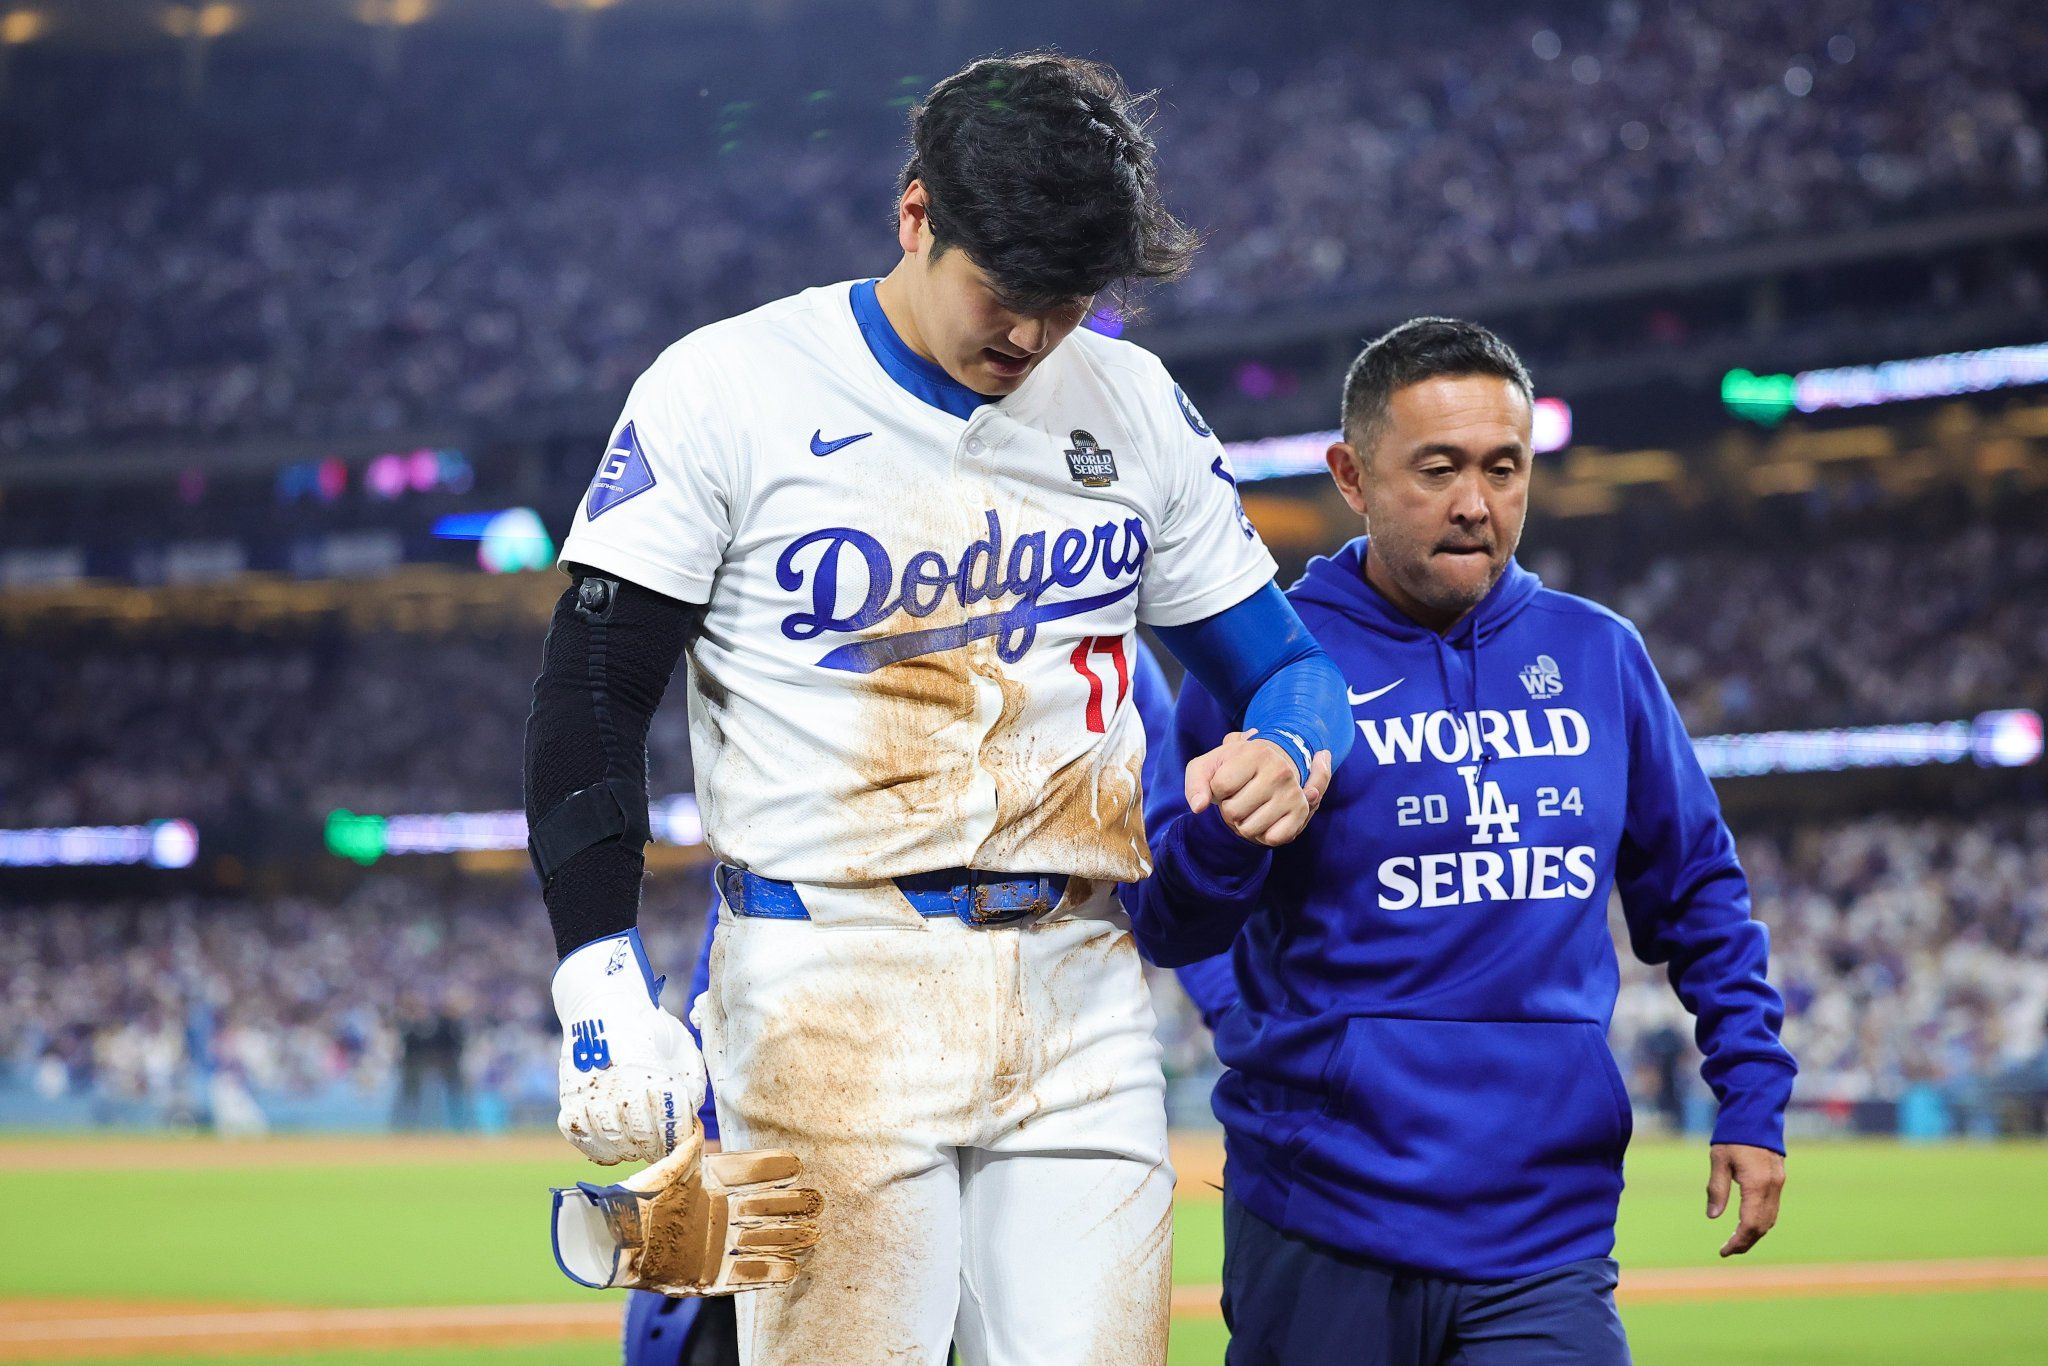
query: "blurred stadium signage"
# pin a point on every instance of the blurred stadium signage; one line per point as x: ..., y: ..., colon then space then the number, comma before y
x: 365, y: 839
x: 507, y: 541
x: 157, y: 844
x: 1995, y: 739
x: 1285, y: 457
x: 386, y: 477
x: 42, y: 566
x: 347, y: 554
x: 1767, y: 399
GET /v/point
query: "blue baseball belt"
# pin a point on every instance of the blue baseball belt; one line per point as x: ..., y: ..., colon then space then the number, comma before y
x: 975, y: 897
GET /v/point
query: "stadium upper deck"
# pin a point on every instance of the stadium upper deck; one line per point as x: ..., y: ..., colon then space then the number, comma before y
x: 307, y: 249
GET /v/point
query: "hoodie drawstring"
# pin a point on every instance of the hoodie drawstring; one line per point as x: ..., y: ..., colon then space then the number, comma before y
x: 1485, y: 753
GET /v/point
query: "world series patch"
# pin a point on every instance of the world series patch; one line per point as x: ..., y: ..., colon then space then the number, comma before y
x: 1091, y: 465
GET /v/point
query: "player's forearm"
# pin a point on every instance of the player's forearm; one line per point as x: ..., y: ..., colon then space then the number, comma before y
x: 1205, y: 884
x: 1261, y: 663
x: 610, y: 650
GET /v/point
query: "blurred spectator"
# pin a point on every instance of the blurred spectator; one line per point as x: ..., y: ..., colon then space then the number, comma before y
x: 429, y: 1059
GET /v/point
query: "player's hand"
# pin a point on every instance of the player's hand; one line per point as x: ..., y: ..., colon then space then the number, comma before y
x: 631, y: 1076
x: 1253, y: 784
x: 1761, y: 1174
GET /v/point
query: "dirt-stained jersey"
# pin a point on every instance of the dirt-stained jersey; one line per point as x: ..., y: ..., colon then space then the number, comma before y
x: 917, y: 650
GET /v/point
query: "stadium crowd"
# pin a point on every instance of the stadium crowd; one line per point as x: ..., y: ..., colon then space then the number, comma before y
x: 295, y: 720
x: 1886, y: 626
x: 357, y: 290
x: 1912, y: 952
x: 1870, y: 628
x: 167, y: 1007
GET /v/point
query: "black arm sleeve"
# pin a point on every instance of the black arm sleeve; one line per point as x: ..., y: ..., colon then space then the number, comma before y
x: 610, y: 651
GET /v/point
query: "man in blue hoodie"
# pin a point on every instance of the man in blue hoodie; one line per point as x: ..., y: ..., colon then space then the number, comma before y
x: 1424, y: 1124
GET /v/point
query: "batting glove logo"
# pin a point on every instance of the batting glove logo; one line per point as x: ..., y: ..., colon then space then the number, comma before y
x: 591, y: 1053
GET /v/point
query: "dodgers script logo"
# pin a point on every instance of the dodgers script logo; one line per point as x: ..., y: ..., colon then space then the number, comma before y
x: 841, y: 564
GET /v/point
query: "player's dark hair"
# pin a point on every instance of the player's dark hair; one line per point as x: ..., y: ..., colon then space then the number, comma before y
x: 1417, y: 350
x: 1038, y: 167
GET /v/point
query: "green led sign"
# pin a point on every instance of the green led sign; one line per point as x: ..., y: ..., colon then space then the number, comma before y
x: 1763, y: 399
x: 360, y: 838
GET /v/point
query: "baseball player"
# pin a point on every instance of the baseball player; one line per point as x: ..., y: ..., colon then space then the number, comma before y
x: 1424, y: 1124
x: 902, y: 530
x: 661, y: 1330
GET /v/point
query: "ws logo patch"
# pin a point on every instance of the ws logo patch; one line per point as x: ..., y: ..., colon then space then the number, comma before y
x: 589, y: 1052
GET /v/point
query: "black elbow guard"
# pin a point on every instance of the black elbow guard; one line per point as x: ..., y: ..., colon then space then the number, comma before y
x: 613, y: 809
x: 610, y: 651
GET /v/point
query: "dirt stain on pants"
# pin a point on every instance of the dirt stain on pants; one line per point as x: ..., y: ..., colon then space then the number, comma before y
x: 984, y: 1109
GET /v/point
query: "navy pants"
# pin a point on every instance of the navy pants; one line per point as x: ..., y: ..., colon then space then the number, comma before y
x: 1290, y: 1302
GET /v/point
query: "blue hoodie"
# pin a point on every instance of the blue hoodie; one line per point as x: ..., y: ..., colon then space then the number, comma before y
x: 1418, y: 1069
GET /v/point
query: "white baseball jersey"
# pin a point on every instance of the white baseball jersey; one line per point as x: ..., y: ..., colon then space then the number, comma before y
x: 916, y: 653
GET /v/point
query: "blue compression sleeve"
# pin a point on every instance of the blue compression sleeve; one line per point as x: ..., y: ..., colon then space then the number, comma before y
x: 1261, y: 663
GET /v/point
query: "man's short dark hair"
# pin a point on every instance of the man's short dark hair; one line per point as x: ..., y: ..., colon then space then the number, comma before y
x: 1420, y: 349
x: 1038, y: 167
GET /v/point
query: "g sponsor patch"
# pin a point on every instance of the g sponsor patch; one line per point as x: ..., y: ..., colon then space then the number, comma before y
x: 624, y: 474
x: 1187, y: 410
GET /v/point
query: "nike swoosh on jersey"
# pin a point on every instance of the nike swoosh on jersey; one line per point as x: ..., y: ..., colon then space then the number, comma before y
x: 820, y: 446
x: 1358, y: 697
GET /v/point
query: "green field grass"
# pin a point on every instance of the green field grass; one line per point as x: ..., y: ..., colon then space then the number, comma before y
x: 385, y: 1233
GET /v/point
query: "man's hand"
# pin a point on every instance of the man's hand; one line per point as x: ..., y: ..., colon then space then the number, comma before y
x: 631, y: 1076
x: 1253, y: 785
x: 1761, y: 1174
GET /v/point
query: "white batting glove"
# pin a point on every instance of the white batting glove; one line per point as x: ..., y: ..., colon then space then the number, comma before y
x: 631, y: 1077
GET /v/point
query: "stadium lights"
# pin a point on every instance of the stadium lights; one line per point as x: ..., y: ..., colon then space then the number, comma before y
x: 197, y: 26
x: 20, y: 27
x: 203, y: 22
x: 394, y: 13
x: 1285, y: 457
x: 158, y: 844
x: 580, y: 22
x: 1768, y: 399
